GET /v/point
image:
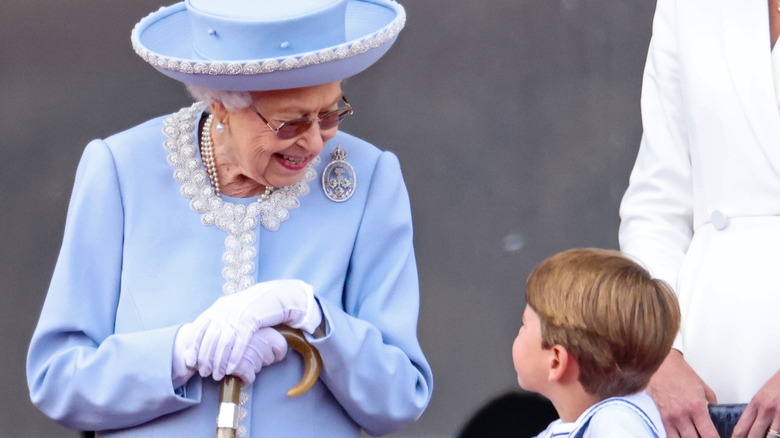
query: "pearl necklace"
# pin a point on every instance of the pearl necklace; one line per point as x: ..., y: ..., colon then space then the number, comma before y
x: 207, y: 154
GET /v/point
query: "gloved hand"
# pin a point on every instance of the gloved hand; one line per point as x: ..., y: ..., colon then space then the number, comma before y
x: 230, y: 322
x: 185, y: 353
x: 266, y: 346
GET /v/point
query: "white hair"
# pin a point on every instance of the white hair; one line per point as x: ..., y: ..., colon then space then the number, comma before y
x: 231, y: 100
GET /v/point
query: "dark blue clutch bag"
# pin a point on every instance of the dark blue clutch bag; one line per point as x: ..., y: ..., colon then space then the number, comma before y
x: 725, y: 417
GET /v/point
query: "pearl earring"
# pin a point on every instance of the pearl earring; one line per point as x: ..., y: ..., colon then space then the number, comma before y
x: 220, y: 127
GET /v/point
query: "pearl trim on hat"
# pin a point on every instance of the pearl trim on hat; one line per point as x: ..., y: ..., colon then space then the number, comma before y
x: 272, y: 65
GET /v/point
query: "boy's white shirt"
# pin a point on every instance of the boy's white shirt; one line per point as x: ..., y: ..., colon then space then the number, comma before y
x: 632, y: 416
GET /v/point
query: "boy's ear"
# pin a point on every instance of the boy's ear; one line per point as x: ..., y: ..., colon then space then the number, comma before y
x: 561, y: 364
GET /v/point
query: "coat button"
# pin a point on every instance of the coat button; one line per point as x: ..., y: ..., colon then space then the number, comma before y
x: 719, y: 220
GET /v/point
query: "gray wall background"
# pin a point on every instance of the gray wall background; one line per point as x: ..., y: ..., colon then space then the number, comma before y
x: 516, y: 123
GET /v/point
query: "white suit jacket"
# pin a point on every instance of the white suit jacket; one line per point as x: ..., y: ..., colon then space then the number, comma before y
x: 709, y: 161
x: 712, y: 129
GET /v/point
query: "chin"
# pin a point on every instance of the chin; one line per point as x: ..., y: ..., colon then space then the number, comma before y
x: 526, y: 386
x: 286, y: 180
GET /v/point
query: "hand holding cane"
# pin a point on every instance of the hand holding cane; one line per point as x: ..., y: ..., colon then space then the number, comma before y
x: 227, y: 419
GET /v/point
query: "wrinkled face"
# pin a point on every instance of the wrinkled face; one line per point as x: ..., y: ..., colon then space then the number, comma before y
x: 254, y: 147
x: 529, y: 358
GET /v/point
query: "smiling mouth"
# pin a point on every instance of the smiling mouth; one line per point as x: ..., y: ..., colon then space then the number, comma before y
x: 292, y: 162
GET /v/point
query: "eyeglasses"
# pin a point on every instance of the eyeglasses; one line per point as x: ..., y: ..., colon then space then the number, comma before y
x: 293, y: 128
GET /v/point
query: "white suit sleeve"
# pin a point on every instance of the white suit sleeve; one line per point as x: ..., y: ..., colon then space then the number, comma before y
x: 657, y: 208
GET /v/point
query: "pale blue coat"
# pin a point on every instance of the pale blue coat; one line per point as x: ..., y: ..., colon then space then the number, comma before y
x: 136, y: 263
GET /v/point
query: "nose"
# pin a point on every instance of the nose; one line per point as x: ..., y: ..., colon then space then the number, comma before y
x: 314, y: 138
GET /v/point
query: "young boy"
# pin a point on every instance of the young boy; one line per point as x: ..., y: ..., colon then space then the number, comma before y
x: 595, y: 329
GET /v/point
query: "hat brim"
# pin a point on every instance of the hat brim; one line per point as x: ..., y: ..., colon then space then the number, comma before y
x: 164, y: 40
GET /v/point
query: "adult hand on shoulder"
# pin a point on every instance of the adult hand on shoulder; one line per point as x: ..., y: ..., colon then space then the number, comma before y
x: 232, y: 320
x: 762, y: 413
x: 682, y: 397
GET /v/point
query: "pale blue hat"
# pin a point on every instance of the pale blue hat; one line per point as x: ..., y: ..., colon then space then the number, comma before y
x: 255, y: 45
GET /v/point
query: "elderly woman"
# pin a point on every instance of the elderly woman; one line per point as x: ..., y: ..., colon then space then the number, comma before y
x: 190, y: 236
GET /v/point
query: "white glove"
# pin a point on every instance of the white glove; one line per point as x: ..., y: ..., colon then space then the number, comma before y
x: 232, y: 320
x: 185, y: 354
x: 266, y: 346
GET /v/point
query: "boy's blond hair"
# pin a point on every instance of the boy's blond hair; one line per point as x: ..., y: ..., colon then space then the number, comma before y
x: 609, y: 313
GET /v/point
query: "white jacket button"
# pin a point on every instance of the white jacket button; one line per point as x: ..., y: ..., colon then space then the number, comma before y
x: 719, y: 220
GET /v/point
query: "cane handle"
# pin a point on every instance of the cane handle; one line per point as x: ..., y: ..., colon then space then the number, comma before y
x: 230, y: 389
x: 311, y: 359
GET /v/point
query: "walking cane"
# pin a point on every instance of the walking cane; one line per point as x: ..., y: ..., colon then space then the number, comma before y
x: 227, y: 418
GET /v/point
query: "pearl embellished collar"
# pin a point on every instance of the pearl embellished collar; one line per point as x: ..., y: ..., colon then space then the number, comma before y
x: 194, y: 180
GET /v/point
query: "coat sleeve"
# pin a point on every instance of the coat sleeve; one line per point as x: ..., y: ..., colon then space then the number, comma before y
x: 373, y: 363
x: 657, y: 208
x: 79, y: 372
